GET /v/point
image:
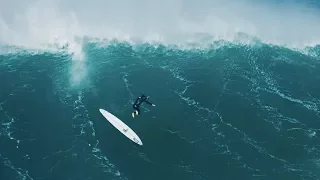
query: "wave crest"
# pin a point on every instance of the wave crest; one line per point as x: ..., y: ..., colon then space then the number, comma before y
x: 56, y: 25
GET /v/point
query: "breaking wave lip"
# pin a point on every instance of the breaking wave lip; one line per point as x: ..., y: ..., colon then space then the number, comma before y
x: 65, y: 25
x: 75, y: 46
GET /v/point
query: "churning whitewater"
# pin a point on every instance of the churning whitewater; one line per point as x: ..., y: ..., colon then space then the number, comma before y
x: 235, y: 86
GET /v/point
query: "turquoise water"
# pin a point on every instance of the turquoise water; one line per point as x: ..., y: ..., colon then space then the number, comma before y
x: 236, y: 88
x: 232, y: 112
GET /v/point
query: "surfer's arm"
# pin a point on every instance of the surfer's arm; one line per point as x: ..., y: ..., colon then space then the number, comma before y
x: 149, y: 103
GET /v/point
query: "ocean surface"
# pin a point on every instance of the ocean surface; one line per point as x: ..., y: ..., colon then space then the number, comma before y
x: 240, y: 108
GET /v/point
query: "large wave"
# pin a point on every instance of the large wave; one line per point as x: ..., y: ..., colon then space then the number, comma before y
x: 49, y: 23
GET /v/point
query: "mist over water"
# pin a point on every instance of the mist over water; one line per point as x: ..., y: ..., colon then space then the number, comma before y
x: 36, y: 24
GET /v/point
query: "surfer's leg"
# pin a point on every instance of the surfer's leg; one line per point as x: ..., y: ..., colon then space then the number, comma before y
x: 136, y: 110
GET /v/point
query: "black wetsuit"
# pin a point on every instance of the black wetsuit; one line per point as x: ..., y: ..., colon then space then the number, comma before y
x: 138, y: 101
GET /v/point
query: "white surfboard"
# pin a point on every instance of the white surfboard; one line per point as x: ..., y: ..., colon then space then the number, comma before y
x: 122, y: 127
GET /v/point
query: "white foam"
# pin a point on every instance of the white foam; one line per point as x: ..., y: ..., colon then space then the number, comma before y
x: 53, y: 24
x: 40, y: 25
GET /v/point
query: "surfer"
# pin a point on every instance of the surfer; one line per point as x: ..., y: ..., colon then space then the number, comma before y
x: 137, y: 103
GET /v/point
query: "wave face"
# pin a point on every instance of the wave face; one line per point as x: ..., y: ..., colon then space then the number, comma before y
x: 235, y: 88
x: 244, y: 112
